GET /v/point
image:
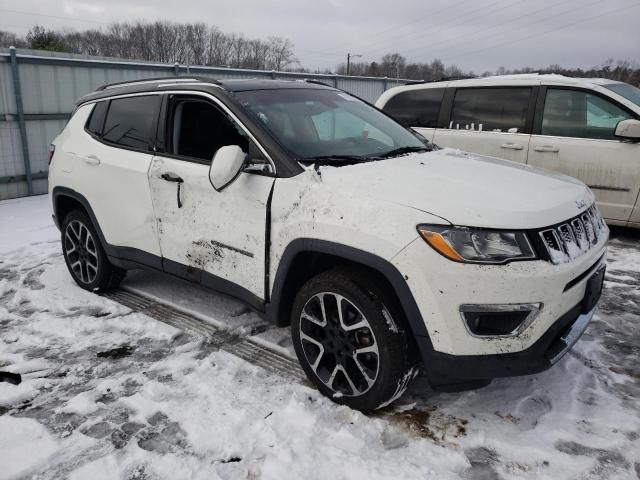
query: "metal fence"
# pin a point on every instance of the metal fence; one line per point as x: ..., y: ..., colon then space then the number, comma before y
x: 38, y: 90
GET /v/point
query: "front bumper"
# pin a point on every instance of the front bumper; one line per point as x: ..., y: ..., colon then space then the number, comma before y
x: 440, y: 287
x: 443, y: 369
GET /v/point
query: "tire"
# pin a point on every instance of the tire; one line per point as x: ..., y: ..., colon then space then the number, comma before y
x: 83, y: 253
x: 339, y: 357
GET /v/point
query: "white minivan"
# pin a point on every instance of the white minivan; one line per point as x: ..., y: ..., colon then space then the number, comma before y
x: 586, y: 128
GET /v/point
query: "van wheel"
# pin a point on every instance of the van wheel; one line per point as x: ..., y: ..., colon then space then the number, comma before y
x: 351, y: 340
x: 85, y: 258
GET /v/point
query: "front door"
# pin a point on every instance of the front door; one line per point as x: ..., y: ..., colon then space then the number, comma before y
x: 577, y: 138
x: 216, y: 238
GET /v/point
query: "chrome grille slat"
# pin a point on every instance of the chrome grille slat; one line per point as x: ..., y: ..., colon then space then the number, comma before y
x: 574, y: 237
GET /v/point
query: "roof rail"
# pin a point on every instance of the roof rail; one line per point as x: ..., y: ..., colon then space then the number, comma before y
x: 458, y: 77
x: 317, y: 82
x: 441, y: 79
x: 178, y: 79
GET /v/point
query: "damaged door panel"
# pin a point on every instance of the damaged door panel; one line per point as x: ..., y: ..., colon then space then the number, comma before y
x: 221, y: 233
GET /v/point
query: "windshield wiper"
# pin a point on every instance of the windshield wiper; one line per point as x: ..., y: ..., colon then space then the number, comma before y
x: 335, y: 159
x: 402, y: 150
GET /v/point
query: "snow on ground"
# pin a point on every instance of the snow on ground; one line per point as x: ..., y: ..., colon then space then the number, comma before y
x: 113, y: 394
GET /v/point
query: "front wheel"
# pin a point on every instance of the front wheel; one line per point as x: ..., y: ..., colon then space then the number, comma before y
x: 351, y: 341
x: 85, y: 258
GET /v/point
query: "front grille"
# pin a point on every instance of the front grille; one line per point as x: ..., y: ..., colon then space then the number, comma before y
x: 576, y: 236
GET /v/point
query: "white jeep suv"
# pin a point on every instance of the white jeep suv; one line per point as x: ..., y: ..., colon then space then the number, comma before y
x: 385, y: 254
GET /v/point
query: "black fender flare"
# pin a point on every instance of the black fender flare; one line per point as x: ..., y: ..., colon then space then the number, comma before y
x: 81, y: 199
x: 384, y: 267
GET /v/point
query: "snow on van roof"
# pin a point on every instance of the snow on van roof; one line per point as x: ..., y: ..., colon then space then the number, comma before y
x: 548, y: 76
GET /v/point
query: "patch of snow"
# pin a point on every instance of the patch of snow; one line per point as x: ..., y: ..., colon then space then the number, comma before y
x: 24, y: 444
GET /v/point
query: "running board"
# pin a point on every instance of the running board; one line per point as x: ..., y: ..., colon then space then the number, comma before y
x: 245, y: 348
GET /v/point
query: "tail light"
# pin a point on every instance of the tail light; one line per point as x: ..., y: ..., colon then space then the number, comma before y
x: 52, y: 150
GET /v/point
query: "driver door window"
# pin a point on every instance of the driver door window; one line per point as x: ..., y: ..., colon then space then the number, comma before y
x: 197, y: 130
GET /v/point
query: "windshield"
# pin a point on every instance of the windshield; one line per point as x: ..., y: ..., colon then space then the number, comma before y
x: 627, y: 91
x: 328, y: 124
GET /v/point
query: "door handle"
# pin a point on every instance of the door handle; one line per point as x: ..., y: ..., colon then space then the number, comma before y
x: 171, y: 177
x: 512, y: 146
x: 547, y: 148
x: 91, y: 160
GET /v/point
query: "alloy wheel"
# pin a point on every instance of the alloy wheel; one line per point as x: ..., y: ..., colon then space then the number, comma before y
x: 339, y: 344
x: 81, y: 252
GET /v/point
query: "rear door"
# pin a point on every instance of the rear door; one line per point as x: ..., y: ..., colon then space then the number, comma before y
x: 418, y: 109
x: 216, y: 238
x: 575, y: 135
x: 494, y: 121
x: 111, y: 161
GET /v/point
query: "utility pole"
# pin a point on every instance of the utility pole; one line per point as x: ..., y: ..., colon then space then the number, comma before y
x: 349, y: 57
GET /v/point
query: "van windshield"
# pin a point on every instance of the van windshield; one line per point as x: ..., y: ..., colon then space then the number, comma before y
x: 329, y: 125
x: 627, y: 91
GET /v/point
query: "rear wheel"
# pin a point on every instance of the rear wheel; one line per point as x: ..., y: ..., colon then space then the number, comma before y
x: 83, y: 253
x: 350, y: 340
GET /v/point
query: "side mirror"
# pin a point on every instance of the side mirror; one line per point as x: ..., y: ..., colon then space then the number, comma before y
x: 628, y: 130
x: 226, y: 166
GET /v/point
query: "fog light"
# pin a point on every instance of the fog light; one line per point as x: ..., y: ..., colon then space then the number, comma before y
x: 503, y: 320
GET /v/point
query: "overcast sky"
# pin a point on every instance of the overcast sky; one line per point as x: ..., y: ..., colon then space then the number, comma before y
x: 476, y: 35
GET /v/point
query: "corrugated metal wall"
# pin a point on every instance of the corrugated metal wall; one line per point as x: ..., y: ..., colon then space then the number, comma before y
x: 50, y: 83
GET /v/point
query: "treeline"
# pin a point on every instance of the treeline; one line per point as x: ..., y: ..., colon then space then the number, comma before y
x: 394, y: 64
x: 164, y: 42
x: 201, y: 44
x: 621, y: 70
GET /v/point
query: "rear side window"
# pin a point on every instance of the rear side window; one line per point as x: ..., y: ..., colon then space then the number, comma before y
x: 416, y: 108
x: 96, y: 120
x: 131, y: 121
x: 491, y: 109
x: 578, y: 114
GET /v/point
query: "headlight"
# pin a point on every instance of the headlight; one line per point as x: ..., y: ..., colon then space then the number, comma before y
x: 473, y: 245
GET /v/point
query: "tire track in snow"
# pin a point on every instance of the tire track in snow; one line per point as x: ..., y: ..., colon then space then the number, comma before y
x: 254, y: 352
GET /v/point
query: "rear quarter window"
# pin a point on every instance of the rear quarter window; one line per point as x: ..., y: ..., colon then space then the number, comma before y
x: 96, y: 119
x: 416, y: 108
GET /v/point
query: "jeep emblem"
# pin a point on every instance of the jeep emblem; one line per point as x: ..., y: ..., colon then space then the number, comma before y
x: 581, y: 204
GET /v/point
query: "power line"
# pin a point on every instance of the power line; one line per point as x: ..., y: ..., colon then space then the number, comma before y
x: 490, y: 47
x: 21, y: 12
x: 444, y: 25
x: 527, y: 24
x: 430, y: 16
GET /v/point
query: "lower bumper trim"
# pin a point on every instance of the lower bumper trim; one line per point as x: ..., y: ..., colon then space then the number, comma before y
x: 441, y: 368
x: 572, y: 335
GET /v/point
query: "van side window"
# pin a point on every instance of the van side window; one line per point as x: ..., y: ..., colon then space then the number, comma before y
x: 198, y: 129
x: 574, y: 113
x: 416, y: 108
x: 96, y: 120
x: 491, y: 109
x: 131, y: 121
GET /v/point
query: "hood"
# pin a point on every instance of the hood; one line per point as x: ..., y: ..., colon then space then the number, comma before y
x: 466, y: 189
